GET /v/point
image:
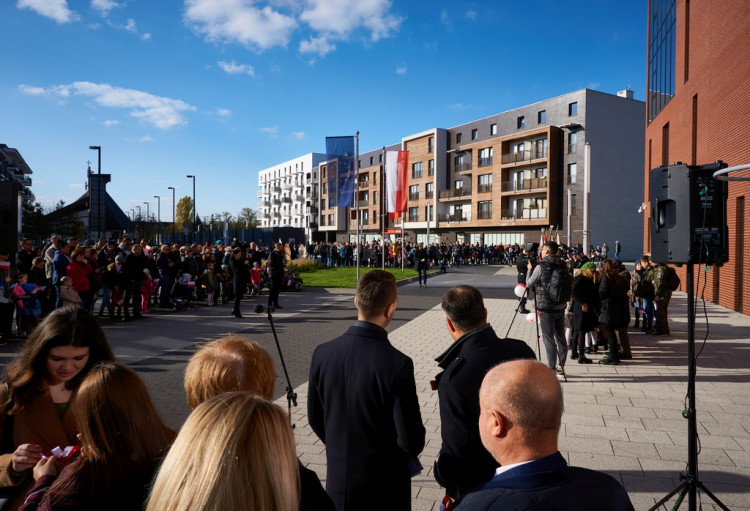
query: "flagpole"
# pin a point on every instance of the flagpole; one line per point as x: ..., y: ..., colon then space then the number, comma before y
x: 382, y: 210
x: 356, y: 201
x: 403, y: 241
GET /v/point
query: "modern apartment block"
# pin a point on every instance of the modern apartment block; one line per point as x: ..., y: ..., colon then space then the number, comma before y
x: 698, y: 112
x: 285, y: 191
x: 504, y: 178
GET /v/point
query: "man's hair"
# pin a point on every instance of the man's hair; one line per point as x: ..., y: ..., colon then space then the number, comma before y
x: 552, y: 247
x: 376, y: 290
x: 464, y: 306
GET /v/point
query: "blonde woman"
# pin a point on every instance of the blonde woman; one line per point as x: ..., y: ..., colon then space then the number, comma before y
x: 235, y: 451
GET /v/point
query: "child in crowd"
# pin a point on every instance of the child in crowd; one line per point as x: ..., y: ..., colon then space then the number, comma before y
x: 147, y: 289
x: 29, y: 306
x: 182, y: 294
x: 210, y: 283
x: 68, y: 295
x: 293, y: 281
x: 256, y: 276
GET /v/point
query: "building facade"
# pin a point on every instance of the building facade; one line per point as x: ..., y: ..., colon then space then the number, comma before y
x: 504, y: 178
x: 698, y: 111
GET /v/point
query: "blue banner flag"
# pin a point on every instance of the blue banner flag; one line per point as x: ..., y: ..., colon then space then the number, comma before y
x: 342, y: 175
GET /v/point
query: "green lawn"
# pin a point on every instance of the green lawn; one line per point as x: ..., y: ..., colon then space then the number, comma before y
x: 346, y: 277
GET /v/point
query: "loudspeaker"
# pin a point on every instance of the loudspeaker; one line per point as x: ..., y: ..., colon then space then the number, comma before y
x: 688, y: 215
x: 8, y: 217
x: 531, y: 246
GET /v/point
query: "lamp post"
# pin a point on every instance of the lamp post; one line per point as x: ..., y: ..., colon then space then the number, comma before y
x: 158, y: 214
x: 192, y: 231
x: 98, y: 150
x: 173, y: 207
x: 146, y: 226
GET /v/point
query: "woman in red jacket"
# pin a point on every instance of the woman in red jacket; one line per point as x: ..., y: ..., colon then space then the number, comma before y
x: 79, y: 270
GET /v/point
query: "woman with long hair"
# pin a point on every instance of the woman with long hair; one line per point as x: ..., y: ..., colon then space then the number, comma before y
x: 585, y: 301
x: 235, y: 451
x: 40, y: 385
x: 122, y: 438
x: 615, y: 313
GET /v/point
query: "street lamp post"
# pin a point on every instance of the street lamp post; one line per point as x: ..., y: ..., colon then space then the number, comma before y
x: 146, y: 226
x: 158, y: 214
x: 98, y: 150
x: 173, y: 207
x: 192, y: 233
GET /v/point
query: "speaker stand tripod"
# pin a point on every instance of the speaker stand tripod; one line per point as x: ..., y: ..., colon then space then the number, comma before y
x: 690, y: 482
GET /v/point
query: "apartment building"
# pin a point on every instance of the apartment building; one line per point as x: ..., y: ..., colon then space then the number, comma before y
x: 501, y: 179
x: 285, y: 192
x: 698, y: 112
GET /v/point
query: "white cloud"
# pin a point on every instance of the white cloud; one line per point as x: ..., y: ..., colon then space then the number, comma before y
x: 223, y: 112
x: 58, y: 10
x: 146, y: 36
x: 145, y: 138
x: 273, y: 131
x: 319, y: 45
x: 233, y: 68
x: 339, y: 17
x: 299, y: 135
x: 445, y: 19
x: 104, y: 5
x: 130, y: 26
x: 430, y: 46
x: 161, y: 112
x: 401, y: 70
x: 238, y: 21
x: 472, y: 15
x: 111, y: 123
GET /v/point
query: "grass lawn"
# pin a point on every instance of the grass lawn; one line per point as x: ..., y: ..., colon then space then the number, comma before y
x: 346, y: 277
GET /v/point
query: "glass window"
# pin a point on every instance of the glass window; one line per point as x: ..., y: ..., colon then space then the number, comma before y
x: 431, y: 144
x: 429, y: 191
x: 542, y: 116
x: 484, y: 209
x: 461, y: 164
x: 493, y: 129
x: 572, y: 205
x: 485, y: 156
x: 573, y: 108
x: 541, y: 148
x: 521, y: 122
x: 458, y: 184
x: 474, y: 134
x: 485, y: 183
x: 458, y: 138
x: 572, y: 173
x: 572, y: 142
x: 416, y: 170
x: 414, y: 192
x: 431, y: 168
x: 374, y: 197
x: 372, y: 160
x: 661, y: 55
x: 414, y: 214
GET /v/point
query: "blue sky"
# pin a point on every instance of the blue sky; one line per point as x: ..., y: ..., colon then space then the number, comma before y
x: 224, y: 88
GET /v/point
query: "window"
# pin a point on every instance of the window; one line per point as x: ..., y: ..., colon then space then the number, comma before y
x: 572, y: 205
x: 431, y: 168
x: 428, y: 212
x: 372, y: 160
x: 460, y: 164
x: 661, y: 56
x: 458, y: 184
x: 541, y: 148
x: 431, y: 145
x: 414, y: 214
x: 474, y: 134
x: 325, y: 187
x: 330, y: 219
x: 365, y: 217
x: 521, y: 122
x: 374, y: 216
x: 485, y: 183
x: 374, y: 197
x: 484, y: 209
x: 458, y: 214
x: 380, y: 158
x: 573, y: 108
x: 374, y: 179
x: 665, y: 145
x: 485, y: 156
x: 541, y: 116
x: 429, y: 191
x: 458, y: 138
x: 572, y: 142
x: 416, y: 170
x: 414, y: 192
x: 493, y: 129
x: 572, y: 173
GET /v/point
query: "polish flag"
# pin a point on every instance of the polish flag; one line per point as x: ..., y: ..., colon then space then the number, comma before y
x: 396, y: 175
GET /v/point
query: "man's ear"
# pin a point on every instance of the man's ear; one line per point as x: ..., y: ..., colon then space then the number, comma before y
x: 485, y: 313
x: 451, y: 326
x: 390, y: 310
x: 500, y: 425
x: 356, y: 304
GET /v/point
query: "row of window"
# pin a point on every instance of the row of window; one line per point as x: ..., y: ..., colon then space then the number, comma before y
x: 520, y: 122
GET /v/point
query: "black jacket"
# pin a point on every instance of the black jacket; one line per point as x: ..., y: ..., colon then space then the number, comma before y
x: 362, y: 403
x: 463, y: 462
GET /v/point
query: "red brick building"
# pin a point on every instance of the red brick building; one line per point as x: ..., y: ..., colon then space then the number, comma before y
x: 698, y: 111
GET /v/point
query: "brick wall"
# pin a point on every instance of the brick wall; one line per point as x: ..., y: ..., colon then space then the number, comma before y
x: 712, y: 74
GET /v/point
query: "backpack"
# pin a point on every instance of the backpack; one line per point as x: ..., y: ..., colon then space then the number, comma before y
x: 560, y: 287
x: 672, y: 279
x: 644, y: 288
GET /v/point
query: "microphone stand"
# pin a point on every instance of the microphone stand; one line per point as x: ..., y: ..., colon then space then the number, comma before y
x: 291, y: 396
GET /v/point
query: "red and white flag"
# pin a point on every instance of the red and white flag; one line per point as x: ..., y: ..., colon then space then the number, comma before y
x: 396, y: 174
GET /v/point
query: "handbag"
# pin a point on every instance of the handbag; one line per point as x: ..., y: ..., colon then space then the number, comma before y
x: 9, y: 494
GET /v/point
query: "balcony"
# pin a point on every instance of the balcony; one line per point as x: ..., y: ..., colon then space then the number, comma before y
x: 276, y: 189
x: 483, y: 162
x: 526, y: 185
x: 299, y: 197
x: 413, y: 218
x: 484, y: 188
x: 414, y: 196
x: 266, y: 203
x: 484, y: 214
x: 313, y: 225
x: 276, y: 200
x: 363, y: 203
x: 429, y: 194
x: 462, y: 168
x: 276, y: 214
x: 266, y: 216
x: 459, y: 217
x: 456, y: 193
x: 313, y: 210
x: 286, y: 186
x: 530, y: 214
x: 286, y: 199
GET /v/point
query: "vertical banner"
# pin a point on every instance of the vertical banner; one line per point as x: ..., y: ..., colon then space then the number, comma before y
x: 396, y: 179
x: 342, y: 175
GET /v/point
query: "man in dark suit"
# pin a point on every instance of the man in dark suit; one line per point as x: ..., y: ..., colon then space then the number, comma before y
x: 463, y: 464
x: 362, y: 403
x: 522, y: 406
x: 275, y: 275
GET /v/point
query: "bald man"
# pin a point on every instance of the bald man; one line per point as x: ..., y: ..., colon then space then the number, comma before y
x: 521, y: 410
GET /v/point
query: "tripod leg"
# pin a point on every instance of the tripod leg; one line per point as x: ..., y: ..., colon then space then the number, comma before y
x: 682, y: 486
x: 712, y: 496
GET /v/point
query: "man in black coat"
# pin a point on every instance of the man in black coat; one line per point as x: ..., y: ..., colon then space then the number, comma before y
x: 362, y: 403
x: 522, y: 407
x: 276, y: 275
x: 463, y: 464
x: 132, y: 272
x: 239, y: 268
x: 521, y: 265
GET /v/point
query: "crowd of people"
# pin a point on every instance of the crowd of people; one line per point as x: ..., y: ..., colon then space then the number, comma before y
x: 124, y: 279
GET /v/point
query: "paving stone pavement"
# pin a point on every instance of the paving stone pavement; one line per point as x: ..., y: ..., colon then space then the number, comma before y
x: 624, y: 420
